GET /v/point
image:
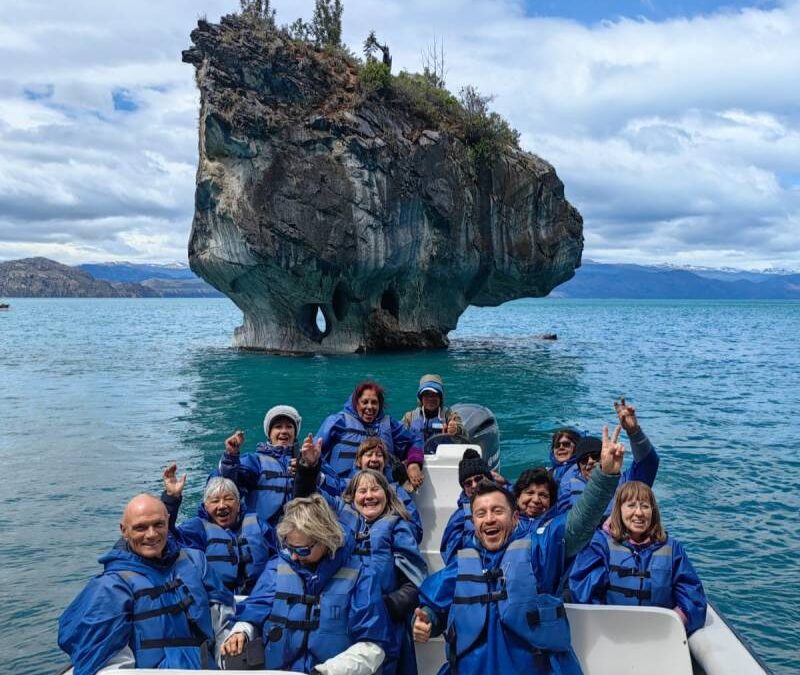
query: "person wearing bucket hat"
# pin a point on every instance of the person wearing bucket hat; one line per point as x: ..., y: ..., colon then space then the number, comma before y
x: 587, y: 453
x: 472, y: 469
x: 431, y: 417
x: 266, y: 476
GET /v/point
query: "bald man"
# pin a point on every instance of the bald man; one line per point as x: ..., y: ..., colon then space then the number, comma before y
x: 155, y: 605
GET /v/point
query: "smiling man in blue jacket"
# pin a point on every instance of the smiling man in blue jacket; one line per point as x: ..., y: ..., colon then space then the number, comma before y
x: 156, y: 605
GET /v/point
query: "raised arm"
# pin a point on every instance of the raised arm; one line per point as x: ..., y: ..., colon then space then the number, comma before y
x: 587, y: 513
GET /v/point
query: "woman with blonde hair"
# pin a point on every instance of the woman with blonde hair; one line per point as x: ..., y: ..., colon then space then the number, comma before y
x: 633, y: 561
x: 316, y: 606
x: 373, y: 514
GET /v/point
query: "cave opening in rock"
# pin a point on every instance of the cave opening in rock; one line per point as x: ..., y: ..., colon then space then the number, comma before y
x: 313, y: 321
x: 391, y: 302
x: 340, y: 301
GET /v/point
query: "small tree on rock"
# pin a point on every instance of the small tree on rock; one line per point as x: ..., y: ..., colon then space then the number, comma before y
x: 326, y: 24
x: 371, y: 44
x: 258, y: 11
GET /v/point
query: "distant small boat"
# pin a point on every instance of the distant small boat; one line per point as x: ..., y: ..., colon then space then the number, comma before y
x: 4, y: 306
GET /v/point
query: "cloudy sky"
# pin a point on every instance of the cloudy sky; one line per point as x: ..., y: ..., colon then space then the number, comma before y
x: 675, y: 124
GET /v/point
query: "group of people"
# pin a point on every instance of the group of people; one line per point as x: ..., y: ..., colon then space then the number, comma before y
x: 304, y: 555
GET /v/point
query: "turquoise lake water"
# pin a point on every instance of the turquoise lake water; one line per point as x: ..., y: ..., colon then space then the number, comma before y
x: 96, y: 396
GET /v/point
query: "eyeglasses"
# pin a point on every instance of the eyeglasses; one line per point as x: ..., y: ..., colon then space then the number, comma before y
x: 473, y: 481
x: 595, y: 457
x: 299, y: 551
x: 565, y: 444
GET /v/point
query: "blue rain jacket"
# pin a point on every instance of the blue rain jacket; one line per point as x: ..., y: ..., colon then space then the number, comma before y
x: 458, y: 531
x: 624, y: 573
x: 341, y: 605
x: 158, y: 608
x: 343, y: 432
x: 502, y: 634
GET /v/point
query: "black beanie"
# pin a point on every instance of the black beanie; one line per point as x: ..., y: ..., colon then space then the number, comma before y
x: 471, y: 464
x: 588, y: 445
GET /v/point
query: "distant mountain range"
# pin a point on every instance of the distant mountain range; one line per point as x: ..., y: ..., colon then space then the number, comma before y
x: 45, y: 278
x: 600, y: 280
x: 40, y: 277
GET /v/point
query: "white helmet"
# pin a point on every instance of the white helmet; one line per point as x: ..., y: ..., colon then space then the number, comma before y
x: 282, y: 411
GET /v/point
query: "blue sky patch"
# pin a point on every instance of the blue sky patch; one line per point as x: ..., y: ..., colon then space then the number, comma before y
x: 123, y: 101
x: 590, y: 12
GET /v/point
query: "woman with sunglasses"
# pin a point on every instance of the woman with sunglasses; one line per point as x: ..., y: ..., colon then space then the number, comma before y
x: 386, y: 541
x: 587, y: 454
x: 562, y: 452
x: 633, y: 561
x: 316, y: 606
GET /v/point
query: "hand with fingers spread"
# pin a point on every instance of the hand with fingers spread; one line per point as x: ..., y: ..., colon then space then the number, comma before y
x: 627, y: 416
x: 422, y: 625
x: 234, y: 645
x: 311, y: 451
x: 173, y: 485
x: 613, y: 452
x: 234, y: 442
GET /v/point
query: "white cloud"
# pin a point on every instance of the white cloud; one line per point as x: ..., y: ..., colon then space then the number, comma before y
x: 677, y: 140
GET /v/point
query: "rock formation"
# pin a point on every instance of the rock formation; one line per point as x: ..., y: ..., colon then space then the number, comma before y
x: 318, y: 197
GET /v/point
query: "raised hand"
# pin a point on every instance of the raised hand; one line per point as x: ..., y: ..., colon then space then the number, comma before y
x: 498, y: 478
x: 234, y: 645
x: 311, y: 451
x: 422, y: 626
x: 612, y: 453
x: 234, y: 443
x: 173, y: 485
x: 627, y: 416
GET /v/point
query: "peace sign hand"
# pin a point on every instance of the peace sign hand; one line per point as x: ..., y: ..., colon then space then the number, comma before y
x: 613, y: 452
x: 627, y: 416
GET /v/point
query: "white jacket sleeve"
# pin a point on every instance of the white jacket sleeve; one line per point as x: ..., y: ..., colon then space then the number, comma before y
x: 362, y: 658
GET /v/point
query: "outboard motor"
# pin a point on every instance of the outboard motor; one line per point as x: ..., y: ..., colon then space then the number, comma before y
x: 480, y: 428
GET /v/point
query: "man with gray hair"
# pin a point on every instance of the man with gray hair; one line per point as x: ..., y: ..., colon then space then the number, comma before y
x: 156, y: 605
x: 237, y: 545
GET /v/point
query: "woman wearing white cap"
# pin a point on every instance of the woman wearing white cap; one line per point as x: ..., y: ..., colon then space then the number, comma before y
x: 266, y: 476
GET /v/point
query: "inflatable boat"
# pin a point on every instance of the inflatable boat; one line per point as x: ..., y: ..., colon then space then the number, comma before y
x: 607, y: 640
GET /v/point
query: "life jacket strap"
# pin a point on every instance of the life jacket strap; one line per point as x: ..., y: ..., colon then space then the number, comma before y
x: 173, y: 642
x: 486, y: 598
x: 630, y: 592
x: 629, y: 571
x: 534, y: 618
x: 157, y: 591
x: 294, y: 598
x: 177, y: 608
x: 305, y: 626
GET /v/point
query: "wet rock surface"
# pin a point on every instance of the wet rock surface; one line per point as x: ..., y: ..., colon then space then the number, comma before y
x: 315, y: 199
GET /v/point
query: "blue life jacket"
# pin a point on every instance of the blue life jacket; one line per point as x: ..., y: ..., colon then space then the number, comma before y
x: 238, y: 557
x: 570, y: 489
x: 469, y: 526
x: 424, y: 427
x: 304, y: 630
x: 538, y: 621
x: 274, y: 487
x: 631, y: 582
x: 558, y: 471
x: 343, y: 454
x: 374, y: 547
x: 171, y: 617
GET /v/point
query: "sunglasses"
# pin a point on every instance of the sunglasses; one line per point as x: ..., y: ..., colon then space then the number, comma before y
x: 474, y: 480
x: 565, y: 444
x: 593, y: 456
x: 299, y: 551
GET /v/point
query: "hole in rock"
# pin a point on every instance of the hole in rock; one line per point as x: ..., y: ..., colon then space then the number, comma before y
x: 340, y: 301
x: 391, y: 302
x: 313, y: 321
x: 322, y: 324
